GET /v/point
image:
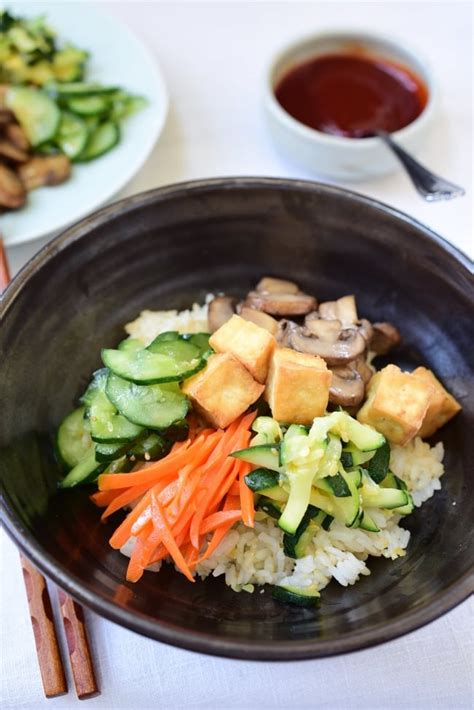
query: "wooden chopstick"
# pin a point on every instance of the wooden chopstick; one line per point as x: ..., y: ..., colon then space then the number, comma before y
x: 39, y: 602
x: 78, y: 647
x: 47, y: 647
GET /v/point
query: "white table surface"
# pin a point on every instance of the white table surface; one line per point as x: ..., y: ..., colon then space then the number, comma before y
x: 213, y: 56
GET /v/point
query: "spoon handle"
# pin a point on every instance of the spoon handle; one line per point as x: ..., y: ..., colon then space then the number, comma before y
x: 430, y: 186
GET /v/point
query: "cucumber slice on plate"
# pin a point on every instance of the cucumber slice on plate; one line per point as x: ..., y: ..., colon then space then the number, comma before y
x: 152, y: 406
x: 179, y: 349
x: 151, y: 448
x: 74, y: 439
x: 105, y: 452
x: 130, y: 345
x: 299, y: 596
x: 78, y: 89
x: 146, y: 367
x: 85, y: 471
x: 37, y: 114
x: 102, y: 139
x: 72, y: 135
x: 89, y: 105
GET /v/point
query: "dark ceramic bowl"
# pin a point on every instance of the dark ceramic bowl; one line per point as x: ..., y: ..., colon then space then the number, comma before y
x: 165, y: 249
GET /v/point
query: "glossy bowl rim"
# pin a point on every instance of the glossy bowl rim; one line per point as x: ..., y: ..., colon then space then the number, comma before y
x: 165, y: 632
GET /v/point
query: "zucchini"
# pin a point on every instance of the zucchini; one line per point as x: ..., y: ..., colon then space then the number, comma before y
x: 351, y: 456
x: 356, y: 476
x: 150, y: 448
x: 276, y: 493
x: 377, y: 467
x: 363, y: 436
x: 271, y: 507
x: 264, y: 455
x: 393, y: 481
x: 152, y: 406
x: 72, y: 135
x: 366, y: 523
x: 374, y: 496
x: 167, y: 336
x: 347, y: 508
x: 299, y: 596
x: 146, y: 368
x: 86, y: 471
x: 267, y: 431
x: 334, y: 485
x: 292, y: 441
x: 298, y: 500
x: 101, y: 140
x: 295, y: 545
x: 260, y: 479
x: 73, y: 440
x: 36, y: 113
x: 106, y: 424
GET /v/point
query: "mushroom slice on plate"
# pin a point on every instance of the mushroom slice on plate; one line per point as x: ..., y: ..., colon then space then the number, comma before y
x: 12, y: 191
x: 260, y: 318
x: 270, y: 285
x: 220, y: 310
x: 384, y: 338
x: 344, y: 309
x: 365, y: 370
x: 365, y: 328
x: 281, y: 304
x: 11, y: 152
x: 335, y: 345
x: 44, y: 170
x: 347, y: 386
x: 16, y: 135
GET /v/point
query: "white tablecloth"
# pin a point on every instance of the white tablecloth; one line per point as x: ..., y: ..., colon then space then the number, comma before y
x: 213, y: 56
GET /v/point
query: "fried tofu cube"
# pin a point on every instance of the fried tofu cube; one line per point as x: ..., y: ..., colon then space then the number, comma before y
x: 248, y: 342
x: 297, y: 386
x: 396, y: 405
x: 442, y: 406
x: 223, y: 390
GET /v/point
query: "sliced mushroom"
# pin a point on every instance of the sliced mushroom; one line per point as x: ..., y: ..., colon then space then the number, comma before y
x: 12, y: 191
x: 327, y: 329
x: 44, y: 170
x: 281, y: 304
x: 336, y: 351
x: 16, y: 135
x: 6, y: 116
x: 347, y: 386
x: 11, y: 152
x: 220, y: 310
x: 364, y: 369
x: 270, y: 285
x: 385, y: 337
x: 344, y: 309
x: 285, y: 328
x: 261, y: 319
x: 365, y: 328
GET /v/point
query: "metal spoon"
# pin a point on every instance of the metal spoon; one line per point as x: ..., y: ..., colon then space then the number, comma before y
x: 430, y: 186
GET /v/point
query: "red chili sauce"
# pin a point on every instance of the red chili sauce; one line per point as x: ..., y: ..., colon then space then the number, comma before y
x: 352, y: 95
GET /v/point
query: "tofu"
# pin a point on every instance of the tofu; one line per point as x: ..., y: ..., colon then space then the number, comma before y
x: 223, y: 390
x: 297, y: 387
x: 442, y: 406
x: 248, y: 342
x: 397, y: 404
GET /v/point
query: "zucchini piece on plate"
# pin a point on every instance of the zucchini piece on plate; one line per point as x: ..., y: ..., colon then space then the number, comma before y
x: 295, y: 545
x: 374, y: 496
x: 265, y: 455
x: 377, y: 467
x: 146, y: 368
x: 36, y: 113
x: 152, y: 406
x: 260, y: 479
x: 273, y: 508
x: 73, y: 440
x: 299, y: 596
x: 367, y: 523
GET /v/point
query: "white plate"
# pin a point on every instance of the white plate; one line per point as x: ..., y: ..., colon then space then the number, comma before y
x: 116, y: 57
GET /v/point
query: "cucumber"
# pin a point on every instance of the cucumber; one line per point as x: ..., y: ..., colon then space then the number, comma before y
x: 271, y: 507
x: 106, y: 424
x: 178, y: 431
x: 180, y: 350
x: 299, y: 596
x: 146, y: 368
x: 130, y: 345
x: 89, y: 105
x: 152, y: 406
x: 264, y: 455
x: 73, y: 439
x: 72, y: 135
x: 167, y: 336
x: 261, y: 478
x: 105, y: 452
x: 150, y: 448
x: 86, y: 471
x: 377, y: 467
x: 121, y: 465
x: 78, y: 89
x: 101, y: 140
x: 366, y: 523
x: 36, y: 113
x: 200, y: 340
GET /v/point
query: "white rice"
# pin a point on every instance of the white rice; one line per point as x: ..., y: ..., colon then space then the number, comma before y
x: 248, y: 557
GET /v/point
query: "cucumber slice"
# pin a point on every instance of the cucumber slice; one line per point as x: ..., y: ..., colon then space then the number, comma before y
x: 168, y: 335
x: 102, y: 139
x: 260, y: 479
x: 106, y: 424
x: 89, y: 105
x: 130, y: 345
x: 377, y: 467
x: 74, y: 440
x: 299, y: 596
x: 200, y: 340
x: 151, y: 448
x: 72, y: 135
x: 147, y: 368
x: 152, y: 406
x: 180, y: 350
x: 79, y: 89
x: 84, y: 472
x: 178, y: 431
x: 105, y: 452
x: 264, y: 455
x: 36, y: 113
x: 121, y: 465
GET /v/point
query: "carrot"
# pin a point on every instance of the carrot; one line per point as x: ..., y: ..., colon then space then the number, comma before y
x: 103, y: 498
x: 220, y: 533
x: 135, y: 565
x: 246, y: 497
x: 161, y: 524
x: 216, y: 520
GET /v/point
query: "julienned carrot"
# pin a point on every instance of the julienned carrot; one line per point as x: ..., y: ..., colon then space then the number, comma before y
x: 195, y: 490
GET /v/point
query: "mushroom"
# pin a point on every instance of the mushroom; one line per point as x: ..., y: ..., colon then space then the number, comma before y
x: 347, y: 386
x: 11, y: 152
x: 6, y: 116
x: 365, y: 328
x: 44, y: 170
x: 260, y: 318
x: 334, y: 344
x: 220, y: 310
x: 12, y: 191
x: 16, y: 135
x: 281, y: 304
x: 385, y: 337
x: 344, y: 309
x: 364, y: 369
x: 270, y: 285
